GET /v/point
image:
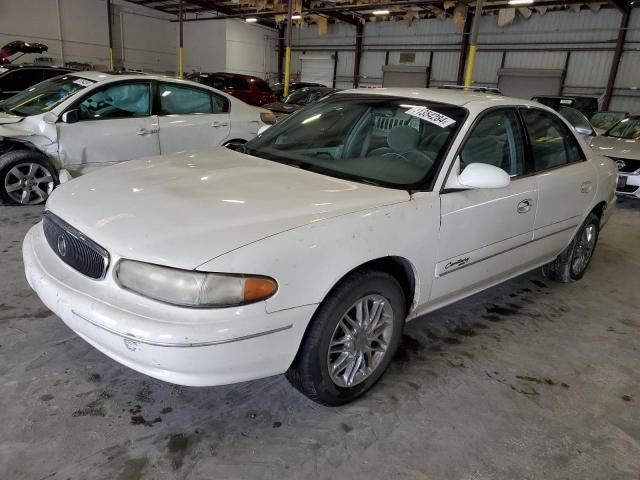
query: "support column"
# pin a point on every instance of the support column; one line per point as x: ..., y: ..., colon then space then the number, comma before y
x: 468, y: 78
x: 358, y: 55
x: 287, y: 60
x: 112, y: 66
x: 464, y: 47
x: 617, y: 54
x: 181, y: 47
x: 280, y: 52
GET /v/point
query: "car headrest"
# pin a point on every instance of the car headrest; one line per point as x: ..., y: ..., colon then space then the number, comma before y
x: 403, y: 138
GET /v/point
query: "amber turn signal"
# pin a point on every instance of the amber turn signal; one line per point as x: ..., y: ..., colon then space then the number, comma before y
x: 258, y: 289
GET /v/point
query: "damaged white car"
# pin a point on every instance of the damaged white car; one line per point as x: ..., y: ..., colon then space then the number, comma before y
x: 307, y: 249
x: 75, y: 123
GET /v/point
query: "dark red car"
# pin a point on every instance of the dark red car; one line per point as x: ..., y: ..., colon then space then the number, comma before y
x: 252, y: 90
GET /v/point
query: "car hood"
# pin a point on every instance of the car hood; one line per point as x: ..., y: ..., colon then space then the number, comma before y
x: 182, y: 210
x: 616, y: 147
x: 7, y: 118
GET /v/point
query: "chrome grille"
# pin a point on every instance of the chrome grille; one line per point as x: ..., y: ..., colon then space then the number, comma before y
x: 74, y: 249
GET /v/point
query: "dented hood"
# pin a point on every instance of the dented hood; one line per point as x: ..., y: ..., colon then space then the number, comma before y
x: 617, y: 147
x: 7, y: 118
x: 182, y: 210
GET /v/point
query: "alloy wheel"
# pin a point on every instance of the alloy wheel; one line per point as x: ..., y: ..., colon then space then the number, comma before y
x: 584, y: 249
x: 360, y: 341
x: 29, y: 183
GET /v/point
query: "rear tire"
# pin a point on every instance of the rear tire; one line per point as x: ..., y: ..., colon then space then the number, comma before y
x: 351, y: 340
x: 572, y: 263
x: 26, y: 177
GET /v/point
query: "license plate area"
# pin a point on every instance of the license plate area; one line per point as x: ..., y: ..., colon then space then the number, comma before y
x: 622, y: 181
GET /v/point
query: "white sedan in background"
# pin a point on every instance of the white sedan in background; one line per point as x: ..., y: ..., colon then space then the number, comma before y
x: 307, y: 250
x: 72, y: 124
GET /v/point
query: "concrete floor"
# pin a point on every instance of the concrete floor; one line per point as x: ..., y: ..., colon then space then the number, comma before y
x: 528, y: 380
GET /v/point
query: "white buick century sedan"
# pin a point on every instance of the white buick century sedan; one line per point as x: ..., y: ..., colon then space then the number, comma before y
x: 79, y: 122
x: 306, y: 250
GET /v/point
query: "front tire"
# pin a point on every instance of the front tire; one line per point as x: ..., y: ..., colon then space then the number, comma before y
x: 26, y: 177
x: 572, y: 263
x: 351, y: 340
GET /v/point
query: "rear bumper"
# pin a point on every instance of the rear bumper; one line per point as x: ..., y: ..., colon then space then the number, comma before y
x: 219, y: 346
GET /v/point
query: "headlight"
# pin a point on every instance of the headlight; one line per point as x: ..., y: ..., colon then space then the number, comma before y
x: 268, y: 117
x: 190, y: 288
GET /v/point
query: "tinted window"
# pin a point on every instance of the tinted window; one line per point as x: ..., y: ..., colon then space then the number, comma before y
x: 496, y: 140
x: 124, y: 100
x: 236, y: 83
x: 20, y: 79
x: 263, y: 86
x: 178, y: 100
x: 552, y: 143
x: 386, y: 141
x: 51, y: 73
x: 627, y: 128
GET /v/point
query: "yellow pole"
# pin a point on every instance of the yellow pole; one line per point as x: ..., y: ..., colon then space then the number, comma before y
x: 468, y: 74
x: 111, y: 65
x: 287, y: 70
x: 473, y: 45
x: 181, y: 61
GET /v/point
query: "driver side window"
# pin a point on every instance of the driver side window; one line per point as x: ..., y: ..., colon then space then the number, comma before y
x: 124, y: 100
x: 496, y: 140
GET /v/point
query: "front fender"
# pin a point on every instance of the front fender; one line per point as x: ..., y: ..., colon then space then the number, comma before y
x: 309, y: 260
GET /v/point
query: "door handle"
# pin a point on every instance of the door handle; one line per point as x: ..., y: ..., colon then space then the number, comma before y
x: 586, y: 187
x: 219, y: 124
x: 144, y: 131
x: 525, y: 205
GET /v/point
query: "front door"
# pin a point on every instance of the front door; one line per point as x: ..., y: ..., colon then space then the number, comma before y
x: 191, y: 118
x: 115, y: 124
x: 566, y: 182
x: 484, y: 232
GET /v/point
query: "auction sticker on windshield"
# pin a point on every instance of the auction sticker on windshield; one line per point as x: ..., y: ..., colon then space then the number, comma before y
x: 431, y: 116
x: 83, y: 82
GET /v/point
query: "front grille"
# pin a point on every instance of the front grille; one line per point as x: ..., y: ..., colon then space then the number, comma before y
x: 74, y: 249
x: 627, y: 189
x: 626, y: 165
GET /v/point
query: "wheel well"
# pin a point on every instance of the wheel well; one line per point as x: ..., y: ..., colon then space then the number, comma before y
x: 599, y: 209
x: 7, y: 146
x: 399, y: 268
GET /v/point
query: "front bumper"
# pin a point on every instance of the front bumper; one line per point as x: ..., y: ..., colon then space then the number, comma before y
x: 628, y: 185
x: 193, y: 347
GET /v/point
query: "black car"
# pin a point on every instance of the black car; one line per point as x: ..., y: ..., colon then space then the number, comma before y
x: 586, y: 105
x: 299, y: 99
x: 278, y: 88
x: 16, y: 78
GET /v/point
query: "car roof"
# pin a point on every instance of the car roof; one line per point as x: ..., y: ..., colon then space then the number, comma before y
x: 453, y: 97
x: 235, y: 75
x: 12, y: 66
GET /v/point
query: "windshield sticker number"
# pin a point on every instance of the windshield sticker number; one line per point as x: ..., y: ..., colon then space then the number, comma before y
x: 564, y: 101
x: 83, y: 82
x: 431, y: 116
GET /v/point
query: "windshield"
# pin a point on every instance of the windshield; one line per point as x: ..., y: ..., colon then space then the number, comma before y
x: 374, y: 139
x: 302, y: 97
x: 44, y: 96
x: 627, y: 128
x: 605, y: 120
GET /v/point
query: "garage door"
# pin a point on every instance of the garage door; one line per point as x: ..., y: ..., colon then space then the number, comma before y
x: 317, y: 69
x: 404, y: 76
x: 529, y: 82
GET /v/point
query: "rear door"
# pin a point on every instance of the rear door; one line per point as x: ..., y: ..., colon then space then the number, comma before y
x: 484, y: 233
x: 115, y: 124
x: 566, y: 182
x: 191, y: 118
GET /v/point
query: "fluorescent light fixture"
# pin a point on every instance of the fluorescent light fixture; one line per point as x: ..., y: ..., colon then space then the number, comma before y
x: 383, y: 12
x: 520, y: 2
x: 296, y: 17
x: 251, y: 20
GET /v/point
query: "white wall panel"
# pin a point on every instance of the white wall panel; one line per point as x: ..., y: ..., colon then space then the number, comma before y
x: 250, y: 49
x: 535, y: 60
x: 588, y: 69
x: 371, y: 67
x: 149, y: 43
x: 486, y: 67
x: 629, y: 71
x: 445, y: 68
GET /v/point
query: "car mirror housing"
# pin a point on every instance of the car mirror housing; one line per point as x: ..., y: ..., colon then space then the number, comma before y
x: 483, y: 175
x: 263, y: 129
x: 71, y: 116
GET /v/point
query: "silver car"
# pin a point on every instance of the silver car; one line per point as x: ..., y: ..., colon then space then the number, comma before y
x: 621, y: 143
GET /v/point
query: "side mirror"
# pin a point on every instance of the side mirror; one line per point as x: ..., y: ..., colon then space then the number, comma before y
x: 71, y: 116
x: 263, y: 129
x: 585, y: 132
x: 483, y: 175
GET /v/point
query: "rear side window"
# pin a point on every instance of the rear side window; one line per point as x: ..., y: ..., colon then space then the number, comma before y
x: 236, y: 83
x: 496, y: 140
x: 179, y: 100
x: 263, y: 86
x: 552, y: 143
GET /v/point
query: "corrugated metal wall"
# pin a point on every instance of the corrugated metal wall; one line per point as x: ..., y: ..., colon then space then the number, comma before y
x: 542, y: 41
